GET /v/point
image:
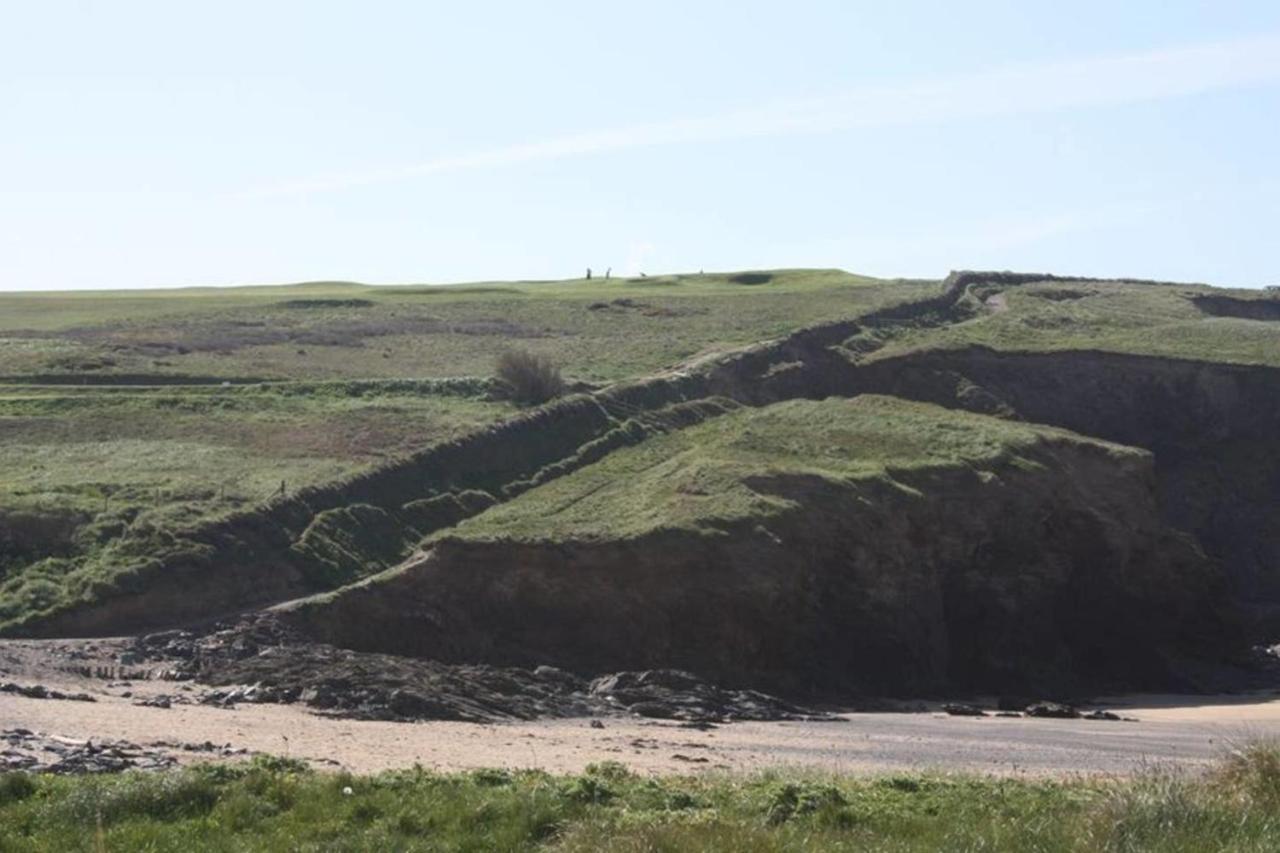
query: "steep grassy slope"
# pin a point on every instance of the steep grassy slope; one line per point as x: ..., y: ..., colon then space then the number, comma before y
x: 866, y: 545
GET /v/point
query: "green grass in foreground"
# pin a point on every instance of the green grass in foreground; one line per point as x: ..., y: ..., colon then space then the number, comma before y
x: 701, y: 475
x: 274, y: 804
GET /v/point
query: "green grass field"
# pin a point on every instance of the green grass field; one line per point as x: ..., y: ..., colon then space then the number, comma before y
x: 273, y: 804
x: 596, y: 330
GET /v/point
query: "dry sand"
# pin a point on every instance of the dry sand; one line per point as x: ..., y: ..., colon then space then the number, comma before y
x: 1171, y: 730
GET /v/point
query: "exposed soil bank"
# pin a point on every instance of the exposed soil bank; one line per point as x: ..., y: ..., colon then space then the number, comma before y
x: 1214, y: 430
x: 1049, y: 573
x: 1245, y: 309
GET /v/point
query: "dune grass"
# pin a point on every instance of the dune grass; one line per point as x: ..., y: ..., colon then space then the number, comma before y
x: 276, y: 804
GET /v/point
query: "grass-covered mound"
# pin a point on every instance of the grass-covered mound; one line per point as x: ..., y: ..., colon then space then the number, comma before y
x: 712, y: 474
x: 274, y: 804
x: 858, y: 545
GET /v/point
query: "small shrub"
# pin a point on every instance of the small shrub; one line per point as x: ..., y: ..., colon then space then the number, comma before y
x: 491, y: 777
x: 610, y: 771
x: 902, y: 784
x: 280, y: 764
x: 1254, y: 771
x: 793, y: 799
x: 16, y: 787
x: 681, y: 801
x: 528, y: 377
x: 589, y: 789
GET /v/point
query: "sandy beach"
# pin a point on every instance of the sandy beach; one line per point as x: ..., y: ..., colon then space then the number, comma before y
x: 1182, y: 731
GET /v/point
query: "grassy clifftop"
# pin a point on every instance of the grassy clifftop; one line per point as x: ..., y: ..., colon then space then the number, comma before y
x: 701, y: 475
x: 598, y: 330
x: 1177, y: 321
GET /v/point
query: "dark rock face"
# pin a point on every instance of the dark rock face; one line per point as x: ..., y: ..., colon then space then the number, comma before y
x: 1045, y: 577
x: 1213, y: 430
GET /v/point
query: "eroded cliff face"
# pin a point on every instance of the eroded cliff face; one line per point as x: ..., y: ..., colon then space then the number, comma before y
x: 1051, y: 572
x: 1214, y: 430
x: 1266, y: 308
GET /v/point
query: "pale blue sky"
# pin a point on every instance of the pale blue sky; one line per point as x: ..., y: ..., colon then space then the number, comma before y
x: 147, y: 144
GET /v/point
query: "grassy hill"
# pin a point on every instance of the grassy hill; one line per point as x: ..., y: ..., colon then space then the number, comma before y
x: 147, y: 435
x: 163, y: 409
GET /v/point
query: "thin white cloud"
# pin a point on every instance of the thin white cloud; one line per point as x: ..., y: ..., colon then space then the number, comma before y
x: 1010, y: 90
